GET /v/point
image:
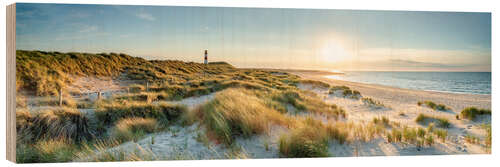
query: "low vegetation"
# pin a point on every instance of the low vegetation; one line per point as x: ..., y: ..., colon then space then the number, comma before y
x: 64, y: 123
x: 373, y: 103
x: 133, y: 128
x: 440, y: 121
x: 164, y: 112
x: 472, y: 112
x: 434, y: 106
x: 310, y: 139
x: 237, y: 112
x: 419, y: 136
x: 346, y: 92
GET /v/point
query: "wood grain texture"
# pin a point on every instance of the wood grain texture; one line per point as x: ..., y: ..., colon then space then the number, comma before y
x: 11, y: 82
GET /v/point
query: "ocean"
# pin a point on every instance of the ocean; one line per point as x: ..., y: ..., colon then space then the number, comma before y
x: 454, y: 82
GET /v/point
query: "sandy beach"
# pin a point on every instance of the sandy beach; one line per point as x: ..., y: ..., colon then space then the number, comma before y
x: 403, y: 108
x: 402, y: 96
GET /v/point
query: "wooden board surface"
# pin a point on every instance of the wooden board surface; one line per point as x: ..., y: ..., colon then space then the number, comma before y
x: 11, y: 83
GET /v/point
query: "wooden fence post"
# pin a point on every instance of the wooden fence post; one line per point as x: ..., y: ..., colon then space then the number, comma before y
x: 98, y: 95
x: 60, y: 97
x: 147, y: 86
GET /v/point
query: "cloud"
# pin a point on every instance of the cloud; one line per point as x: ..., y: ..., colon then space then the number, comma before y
x: 146, y: 16
x: 88, y: 28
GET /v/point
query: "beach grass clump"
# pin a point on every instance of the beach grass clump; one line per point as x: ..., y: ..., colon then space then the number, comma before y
x: 100, y: 152
x: 46, y: 150
x: 237, y: 112
x: 346, y: 92
x: 164, y: 112
x: 133, y: 128
x: 310, y: 138
x: 65, y: 123
x: 381, y: 120
x: 144, y: 96
x: 409, y: 135
x: 333, y: 89
x: 487, y: 140
x: 472, y: 112
x: 397, y: 135
x: 441, y: 134
x: 20, y: 101
x: 303, y: 142
x: 54, y: 101
x: 441, y: 122
x: 434, y: 106
x: 136, y: 88
x: 469, y: 138
x: 373, y: 103
x: 418, y: 136
x: 290, y: 97
x: 315, y: 83
x: 307, y: 102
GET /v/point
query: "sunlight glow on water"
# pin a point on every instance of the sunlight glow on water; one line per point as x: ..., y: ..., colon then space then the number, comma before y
x: 455, y: 82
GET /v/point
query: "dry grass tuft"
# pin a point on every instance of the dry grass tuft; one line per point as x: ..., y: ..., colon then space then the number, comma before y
x: 133, y: 128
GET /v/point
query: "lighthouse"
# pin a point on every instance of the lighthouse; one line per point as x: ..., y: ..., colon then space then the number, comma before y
x: 206, y: 57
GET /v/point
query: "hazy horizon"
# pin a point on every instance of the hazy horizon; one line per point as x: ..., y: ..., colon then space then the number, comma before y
x: 325, y: 39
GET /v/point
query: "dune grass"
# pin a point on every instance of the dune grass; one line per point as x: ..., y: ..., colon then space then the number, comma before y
x: 310, y: 138
x: 136, y: 88
x: 469, y: 138
x: 434, y: 106
x: 487, y: 140
x: 164, y: 112
x: 237, y: 112
x: 472, y: 112
x: 315, y: 83
x: 307, y: 103
x: 424, y: 119
x: 373, y: 103
x: 133, y: 128
x: 346, y: 92
x: 63, y: 123
x: 48, y: 150
x: 45, y: 72
x: 419, y: 136
x: 381, y: 120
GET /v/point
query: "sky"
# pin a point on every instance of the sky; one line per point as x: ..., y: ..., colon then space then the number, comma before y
x: 327, y: 39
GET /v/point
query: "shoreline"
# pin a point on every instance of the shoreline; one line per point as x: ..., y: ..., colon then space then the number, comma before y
x: 376, y: 84
x: 457, y: 101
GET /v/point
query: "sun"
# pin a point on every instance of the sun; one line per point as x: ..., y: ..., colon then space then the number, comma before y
x: 333, y: 51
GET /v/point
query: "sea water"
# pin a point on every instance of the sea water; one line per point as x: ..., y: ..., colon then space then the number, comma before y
x: 454, y: 82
